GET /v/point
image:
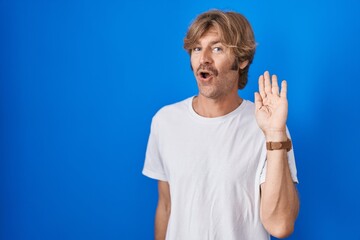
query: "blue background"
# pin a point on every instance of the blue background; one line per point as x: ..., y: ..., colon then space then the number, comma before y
x: 81, y: 80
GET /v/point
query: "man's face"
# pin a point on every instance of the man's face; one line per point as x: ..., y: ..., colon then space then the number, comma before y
x: 214, y: 65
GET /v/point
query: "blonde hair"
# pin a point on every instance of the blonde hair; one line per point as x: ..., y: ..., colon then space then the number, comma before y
x: 235, y: 32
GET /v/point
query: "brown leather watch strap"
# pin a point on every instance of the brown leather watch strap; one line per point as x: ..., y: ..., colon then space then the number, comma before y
x: 279, y: 145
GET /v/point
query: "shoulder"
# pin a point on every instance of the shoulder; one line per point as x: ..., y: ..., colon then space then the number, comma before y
x: 248, y: 110
x: 247, y: 119
x: 249, y: 106
x: 172, y: 111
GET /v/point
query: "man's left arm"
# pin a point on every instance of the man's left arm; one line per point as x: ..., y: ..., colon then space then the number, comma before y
x: 279, y: 205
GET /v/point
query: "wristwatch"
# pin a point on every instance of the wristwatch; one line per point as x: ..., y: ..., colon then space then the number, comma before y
x: 279, y: 145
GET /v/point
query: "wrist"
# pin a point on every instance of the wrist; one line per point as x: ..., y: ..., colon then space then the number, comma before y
x: 284, y: 145
x: 276, y: 136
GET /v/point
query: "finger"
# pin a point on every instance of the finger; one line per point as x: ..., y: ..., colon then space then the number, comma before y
x: 283, y: 92
x: 261, y: 87
x: 258, y: 101
x: 267, y: 83
x: 274, y: 85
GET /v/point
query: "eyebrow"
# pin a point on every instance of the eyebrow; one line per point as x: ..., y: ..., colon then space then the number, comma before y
x: 210, y: 43
x: 215, y: 42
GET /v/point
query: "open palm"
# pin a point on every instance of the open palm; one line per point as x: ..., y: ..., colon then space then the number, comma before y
x: 271, y: 104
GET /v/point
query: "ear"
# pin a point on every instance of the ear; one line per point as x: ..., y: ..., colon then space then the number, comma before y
x: 243, y: 64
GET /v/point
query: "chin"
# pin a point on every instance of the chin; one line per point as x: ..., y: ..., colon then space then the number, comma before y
x: 209, y: 94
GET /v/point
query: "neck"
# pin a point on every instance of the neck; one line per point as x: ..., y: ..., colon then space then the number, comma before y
x: 211, y: 108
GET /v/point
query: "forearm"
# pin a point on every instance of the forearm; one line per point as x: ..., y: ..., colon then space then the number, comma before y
x: 161, y: 222
x: 279, y: 199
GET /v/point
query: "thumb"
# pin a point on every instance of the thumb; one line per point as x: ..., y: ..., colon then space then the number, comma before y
x: 258, y: 101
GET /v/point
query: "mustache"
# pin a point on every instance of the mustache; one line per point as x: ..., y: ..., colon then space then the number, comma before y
x: 208, y: 68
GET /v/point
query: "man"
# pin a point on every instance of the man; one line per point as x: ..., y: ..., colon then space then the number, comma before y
x: 225, y: 166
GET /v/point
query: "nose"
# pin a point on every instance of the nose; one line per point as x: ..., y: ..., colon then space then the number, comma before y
x: 205, y: 57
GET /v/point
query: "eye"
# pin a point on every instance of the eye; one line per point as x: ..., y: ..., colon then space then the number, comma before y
x: 217, y: 49
x: 196, y: 49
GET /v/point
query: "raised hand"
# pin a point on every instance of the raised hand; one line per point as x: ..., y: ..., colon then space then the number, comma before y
x: 271, y: 106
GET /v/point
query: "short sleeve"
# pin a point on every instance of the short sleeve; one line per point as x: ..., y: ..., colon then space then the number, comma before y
x: 292, y: 166
x: 154, y: 166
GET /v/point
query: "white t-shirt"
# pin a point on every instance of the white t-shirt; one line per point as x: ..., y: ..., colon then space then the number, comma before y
x: 214, y: 167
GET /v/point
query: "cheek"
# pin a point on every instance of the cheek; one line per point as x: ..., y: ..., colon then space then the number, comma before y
x: 225, y: 66
x: 193, y: 64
